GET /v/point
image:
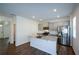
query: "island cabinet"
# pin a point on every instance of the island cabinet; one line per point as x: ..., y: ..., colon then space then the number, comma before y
x: 46, y: 44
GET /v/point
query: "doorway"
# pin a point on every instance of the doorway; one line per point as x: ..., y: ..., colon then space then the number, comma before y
x: 4, y: 34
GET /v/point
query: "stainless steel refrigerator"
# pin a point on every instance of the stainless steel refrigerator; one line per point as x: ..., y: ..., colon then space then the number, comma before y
x: 65, y: 35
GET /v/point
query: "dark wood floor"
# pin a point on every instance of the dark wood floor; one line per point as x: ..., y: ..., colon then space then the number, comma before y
x: 65, y: 50
x: 26, y: 49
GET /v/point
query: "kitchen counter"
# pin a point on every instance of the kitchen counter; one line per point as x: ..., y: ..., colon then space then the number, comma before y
x: 46, y: 43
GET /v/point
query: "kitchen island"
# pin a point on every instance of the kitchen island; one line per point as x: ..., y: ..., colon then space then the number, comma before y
x: 46, y: 43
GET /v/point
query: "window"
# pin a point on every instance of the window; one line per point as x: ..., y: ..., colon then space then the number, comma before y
x: 74, y: 27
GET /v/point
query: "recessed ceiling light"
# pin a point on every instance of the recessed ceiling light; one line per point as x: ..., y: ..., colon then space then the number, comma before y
x: 33, y: 17
x: 54, y: 10
x: 58, y: 16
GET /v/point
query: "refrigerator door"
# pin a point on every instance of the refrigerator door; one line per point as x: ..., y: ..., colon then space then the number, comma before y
x: 65, y: 36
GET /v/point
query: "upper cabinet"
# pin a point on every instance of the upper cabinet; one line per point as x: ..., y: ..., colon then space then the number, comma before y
x: 53, y: 26
x: 41, y: 25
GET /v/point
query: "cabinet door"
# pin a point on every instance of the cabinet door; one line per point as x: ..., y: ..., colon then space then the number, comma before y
x: 40, y: 27
x: 51, y: 26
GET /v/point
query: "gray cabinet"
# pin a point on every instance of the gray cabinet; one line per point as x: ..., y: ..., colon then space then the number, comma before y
x: 41, y: 25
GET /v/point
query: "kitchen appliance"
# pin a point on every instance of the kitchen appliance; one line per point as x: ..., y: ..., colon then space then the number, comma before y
x: 65, y: 35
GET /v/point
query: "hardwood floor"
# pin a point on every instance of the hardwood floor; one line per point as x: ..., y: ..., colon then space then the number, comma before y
x: 65, y: 50
x: 3, y: 45
x: 25, y: 49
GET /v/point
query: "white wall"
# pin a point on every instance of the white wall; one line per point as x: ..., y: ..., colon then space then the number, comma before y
x: 25, y: 28
x: 12, y: 22
x: 76, y: 40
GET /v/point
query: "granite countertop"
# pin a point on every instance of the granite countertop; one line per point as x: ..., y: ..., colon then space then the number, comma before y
x: 52, y: 38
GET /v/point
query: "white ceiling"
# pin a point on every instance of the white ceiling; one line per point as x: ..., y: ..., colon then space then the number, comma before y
x: 39, y: 10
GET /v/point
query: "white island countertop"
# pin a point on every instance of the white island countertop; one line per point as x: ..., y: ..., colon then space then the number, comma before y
x: 50, y: 38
